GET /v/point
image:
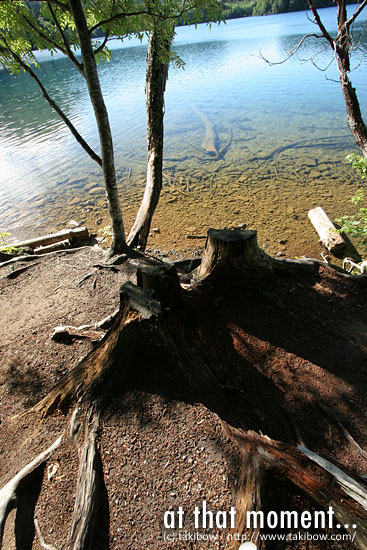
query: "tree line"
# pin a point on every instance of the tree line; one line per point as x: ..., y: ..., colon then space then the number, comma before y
x: 232, y: 9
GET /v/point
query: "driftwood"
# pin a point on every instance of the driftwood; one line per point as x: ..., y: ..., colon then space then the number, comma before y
x: 60, y: 245
x: 15, y: 494
x: 337, y: 243
x: 75, y: 234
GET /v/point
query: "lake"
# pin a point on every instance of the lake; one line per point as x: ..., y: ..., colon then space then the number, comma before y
x: 281, y: 132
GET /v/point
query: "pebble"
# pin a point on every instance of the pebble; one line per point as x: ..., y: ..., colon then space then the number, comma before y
x: 156, y: 230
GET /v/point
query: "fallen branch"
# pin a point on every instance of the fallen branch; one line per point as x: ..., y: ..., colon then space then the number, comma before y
x: 337, y: 243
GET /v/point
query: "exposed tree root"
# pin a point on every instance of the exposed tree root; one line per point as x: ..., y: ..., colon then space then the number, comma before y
x: 41, y: 540
x: 249, y: 495
x: 318, y: 482
x: 156, y: 313
x: 343, y: 429
x: 67, y: 333
x: 83, y: 522
x: 22, y: 493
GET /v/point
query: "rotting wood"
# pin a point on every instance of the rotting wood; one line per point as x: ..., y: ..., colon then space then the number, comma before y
x: 249, y: 496
x: 355, y: 489
x: 75, y: 234
x: 337, y: 243
x: 234, y: 255
x: 318, y: 483
x: 135, y: 303
x: 163, y: 280
x: 10, y: 494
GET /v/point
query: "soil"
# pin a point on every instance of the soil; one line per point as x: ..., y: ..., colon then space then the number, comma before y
x: 273, y: 352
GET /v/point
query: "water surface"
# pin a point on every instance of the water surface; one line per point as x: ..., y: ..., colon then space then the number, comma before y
x: 281, y: 130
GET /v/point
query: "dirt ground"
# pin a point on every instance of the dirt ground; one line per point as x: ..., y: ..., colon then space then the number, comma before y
x: 273, y: 352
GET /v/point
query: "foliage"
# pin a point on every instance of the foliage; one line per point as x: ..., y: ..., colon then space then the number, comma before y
x: 356, y: 224
x: 5, y: 246
x: 359, y: 163
x: 106, y: 234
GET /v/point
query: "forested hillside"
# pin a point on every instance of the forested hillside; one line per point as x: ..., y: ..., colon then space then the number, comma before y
x: 246, y: 8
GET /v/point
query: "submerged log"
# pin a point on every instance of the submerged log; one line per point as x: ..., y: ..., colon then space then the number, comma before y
x: 337, y: 243
x: 72, y: 234
x: 210, y: 139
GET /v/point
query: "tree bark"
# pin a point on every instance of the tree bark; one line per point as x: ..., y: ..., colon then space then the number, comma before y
x: 105, y: 136
x: 155, y: 84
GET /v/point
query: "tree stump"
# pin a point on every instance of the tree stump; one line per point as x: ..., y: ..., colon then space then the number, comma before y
x: 163, y: 280
x: 230, y: 254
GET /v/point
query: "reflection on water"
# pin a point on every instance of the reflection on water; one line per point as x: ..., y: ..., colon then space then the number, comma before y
x: 281, y: 130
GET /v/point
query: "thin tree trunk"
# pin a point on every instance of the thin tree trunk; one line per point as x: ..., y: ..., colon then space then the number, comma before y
x: 155, y: 84
x: 104, y: 129
x: 341, y: 46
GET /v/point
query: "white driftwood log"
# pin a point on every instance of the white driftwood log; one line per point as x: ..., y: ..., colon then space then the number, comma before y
x: 60, y: 245
x: 327, y: 231
x: 71, y: 234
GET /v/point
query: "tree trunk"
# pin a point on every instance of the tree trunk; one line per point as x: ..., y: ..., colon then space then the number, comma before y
x: 155, y: 84
x: 108, y: 164
x: 341, y: 47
